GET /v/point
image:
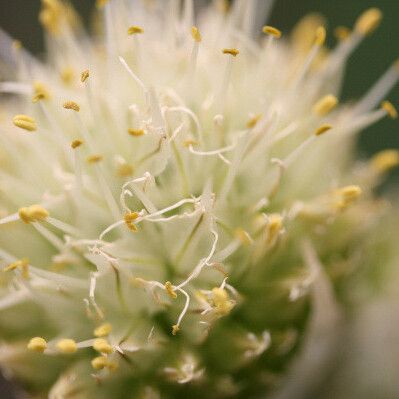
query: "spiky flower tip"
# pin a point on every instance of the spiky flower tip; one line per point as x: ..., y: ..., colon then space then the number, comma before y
x: 182, y: 215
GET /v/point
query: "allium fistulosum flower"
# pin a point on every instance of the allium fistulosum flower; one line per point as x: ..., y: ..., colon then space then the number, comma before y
x: 181, y: 211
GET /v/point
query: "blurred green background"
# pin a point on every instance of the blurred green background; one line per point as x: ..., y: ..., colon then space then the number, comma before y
x: 19, y: 19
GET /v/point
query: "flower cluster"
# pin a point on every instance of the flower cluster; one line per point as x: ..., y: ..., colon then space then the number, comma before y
x: 180, y: 209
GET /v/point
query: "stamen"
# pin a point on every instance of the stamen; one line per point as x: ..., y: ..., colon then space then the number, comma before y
x: 196, y: 35
x: 346, y: 196
x: 102, y: 345
x: 325, y: 105
x: 270, y: 30
x: 67, y: 75
x: 99, y: 362
x: 175, y: 329
x: 231, y: 51
x: 95, y: 158
x: 254, y: 120
x: 37, y: 344
x: 51, y: 15
x: 33, y: 213
x: 323, y: 129
x: 25, y: 122
x: 369, y: 21
x: 243, y: 236
x: 71, y: 105
x: 17, y: 45
x: 350, y: 192
x: 103, y: 330
x: 385, y: 160
x: 170, y: 290
x: 342, y: 33
x: 84, y: 75
x: 390, y: 109
x: 129, y: 219
x: 67, y: 346
x: 123, y: 169
x: 40, y: 92
x: 22, y: 264
x: 274, y: 227
x: 222, y: 304
x: 318, y: 43
x: 320, y: 36
x: 133, y: 30
x: 136, y: 132
x: 76, y: 143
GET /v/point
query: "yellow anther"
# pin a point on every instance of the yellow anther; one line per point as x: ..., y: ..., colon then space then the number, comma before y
x: 243, y: 236
x: 76, y: 143
x: 102, y: 345
x: 25, y: 122
x: 67, y: 345
x: 231, y: 51
x: 101, y: 3
x: 67, y: 75
x: 325, y: 105
x: 274, y: 227
x: 33, y: 213
x: 303, y: 35
x: 133, y: 30
x: 99, y: 362
x: 94, y: 158
x: 136, y: 132
x: 342, y: 33
x: 169, y: 289
x: 175, y: 329
x: 16, y: 44
x: 320, y: 36
x: 129, y: 220
x: 37, y: 344
x: 346, y: 196
x: 195, y: 33
x: 190, y: 143
x: 103, y: 330
x: 385, y: 160
x: 22, y: 264
x: 51, y: 15
x: 223, y: 305
x: 368, y: 21
x: 253, y: 121
x: 124, y: 169
x: 390, y: 109
x: 350, y: 193
x: 271, y: 30
x: 71, y: 105
x: 323, y: 129
x: 40, y: 92
x: 84, y: 75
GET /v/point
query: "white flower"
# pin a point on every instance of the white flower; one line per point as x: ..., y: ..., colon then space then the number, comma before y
x: 155, y: 176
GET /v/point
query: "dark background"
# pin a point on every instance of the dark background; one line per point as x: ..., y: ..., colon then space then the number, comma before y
x: 19, y: 18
